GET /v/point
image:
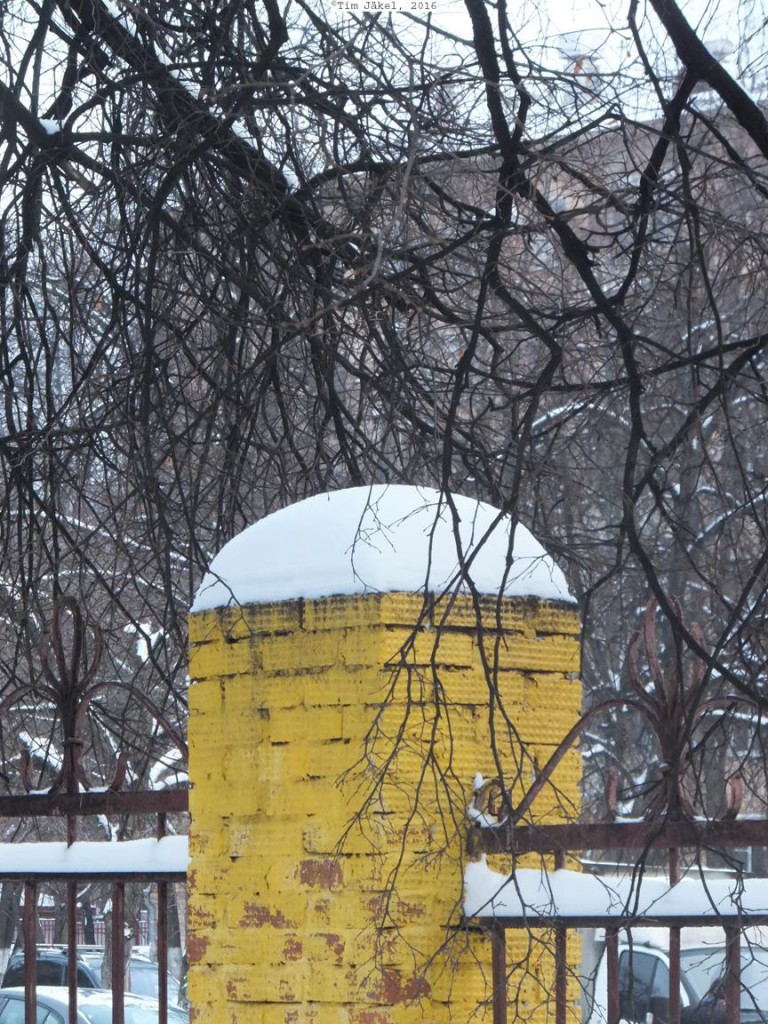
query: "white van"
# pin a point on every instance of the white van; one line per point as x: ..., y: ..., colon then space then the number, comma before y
x: 644, y: 973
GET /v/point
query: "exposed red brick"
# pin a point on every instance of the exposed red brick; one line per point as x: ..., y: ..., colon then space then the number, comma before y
x: 320, y: 874
x: 394, y: 989
x: 197, y: 947
x: 258, y: 916
x: 199, y: 918
x: 336, y: 946
x: 410, y: 910
x: 293, y: 949
x: 322, y: 909
x: 375, y: 907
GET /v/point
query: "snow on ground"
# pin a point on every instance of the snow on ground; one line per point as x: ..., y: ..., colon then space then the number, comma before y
x: 378, y: 539
x: 531, y: 893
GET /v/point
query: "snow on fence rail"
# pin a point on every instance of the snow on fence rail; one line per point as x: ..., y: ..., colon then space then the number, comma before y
x: 163, y: 859
x: 159, y: 861
x: 529, y: 896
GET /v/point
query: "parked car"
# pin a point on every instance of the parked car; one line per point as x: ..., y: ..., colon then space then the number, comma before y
x: 52, y: 962
x: 141, y: 979
x: 51, y: 970
x: 644, y: 976
x: 94, y: 1006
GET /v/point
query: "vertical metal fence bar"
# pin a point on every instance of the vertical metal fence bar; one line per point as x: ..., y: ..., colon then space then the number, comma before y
x: 499, y: 974
x: 561, y: 957
x: 118, y: 953
x: 674, y: 946
x: 162, y: 950
x: 561, y: 973
x: 732, y: 975
x: 30, y: 952
x: 162, y: 935
x: 72, y: 950
x: 674, y: 975
x: 612, y: 960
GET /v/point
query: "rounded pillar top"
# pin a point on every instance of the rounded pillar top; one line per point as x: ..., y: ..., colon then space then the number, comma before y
x: 383, y: 538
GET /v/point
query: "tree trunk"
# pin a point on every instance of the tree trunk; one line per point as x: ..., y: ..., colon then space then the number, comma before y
x: 89, y: 930
x: 9, y: 921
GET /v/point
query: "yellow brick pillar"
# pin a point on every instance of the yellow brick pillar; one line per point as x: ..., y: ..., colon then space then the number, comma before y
x: 333, y: 743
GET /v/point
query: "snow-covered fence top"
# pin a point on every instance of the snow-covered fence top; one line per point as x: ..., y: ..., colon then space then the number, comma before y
x: 380, y: 539
x: 531, y: 895
x: 159, y: 859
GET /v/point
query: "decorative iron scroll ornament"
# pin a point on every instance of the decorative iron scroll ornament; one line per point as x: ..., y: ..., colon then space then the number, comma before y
x: 69, y: 671
x: 674, y: 708
x: 672, y: 703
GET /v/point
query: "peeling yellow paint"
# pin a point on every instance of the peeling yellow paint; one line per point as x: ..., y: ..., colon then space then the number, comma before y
x: 303, y: 714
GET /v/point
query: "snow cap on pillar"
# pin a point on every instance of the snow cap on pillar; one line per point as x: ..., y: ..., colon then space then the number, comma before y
x: 379, y: 539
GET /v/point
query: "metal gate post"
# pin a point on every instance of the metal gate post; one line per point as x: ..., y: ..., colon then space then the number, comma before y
x: 30, y: 952
x: 499, y: 974
x: 732, y: 975
x: 118, y: 953
x: 612, y: 957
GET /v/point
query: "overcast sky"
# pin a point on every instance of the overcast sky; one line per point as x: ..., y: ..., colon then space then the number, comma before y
x: 735, y: 31
x: 713, y: 18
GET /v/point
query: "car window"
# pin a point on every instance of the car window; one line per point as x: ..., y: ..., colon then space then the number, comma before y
x: 93, y: 963
x: 13, y: 1013
x: 637, y: 984
x: 142, y: 979
x: 49, y: 972
x: 14, y: 976
x: 705, y: 967
x: 660, y: 984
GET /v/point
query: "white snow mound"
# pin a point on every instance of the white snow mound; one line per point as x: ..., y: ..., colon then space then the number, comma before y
x: 529, y: 893
x: 388, y: 537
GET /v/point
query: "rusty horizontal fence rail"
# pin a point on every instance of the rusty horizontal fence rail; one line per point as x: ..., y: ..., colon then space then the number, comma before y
x: 170, y: 801
x: 160, y: 860
x: 94, y: 876
x: 641, y: 835
x: 630, y: 921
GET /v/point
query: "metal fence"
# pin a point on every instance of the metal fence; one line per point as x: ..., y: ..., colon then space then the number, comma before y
x: 49, y: 931
x: 670, y: 695
x: 68, y: 683
x: 155, y: 862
